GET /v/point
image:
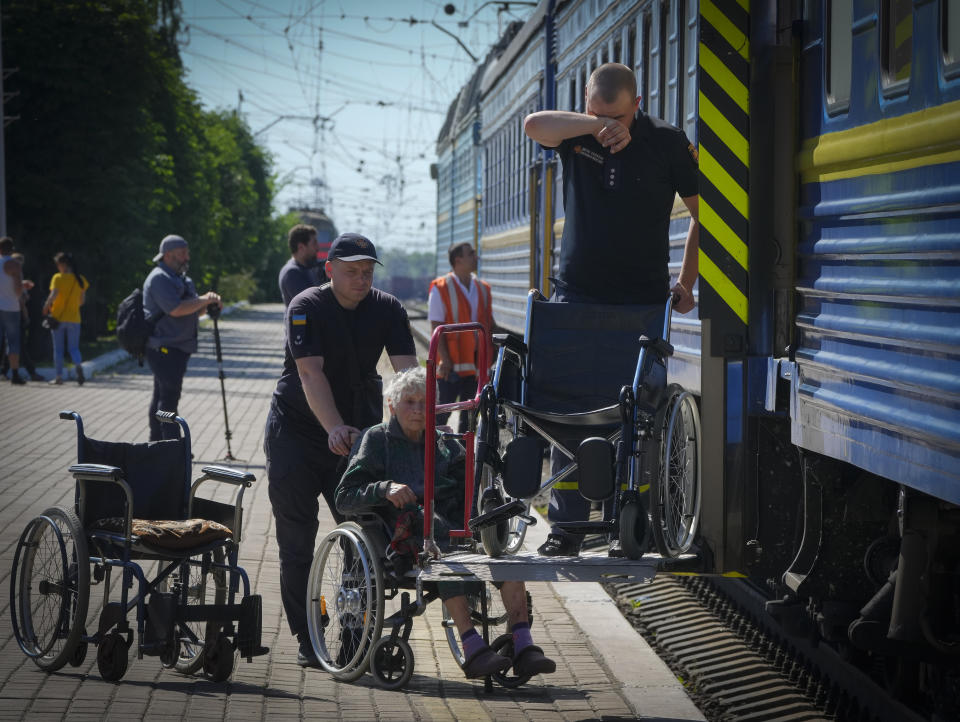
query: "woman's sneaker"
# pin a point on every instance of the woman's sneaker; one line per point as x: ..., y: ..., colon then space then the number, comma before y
x: 80, y: 378
x: 17, y: 380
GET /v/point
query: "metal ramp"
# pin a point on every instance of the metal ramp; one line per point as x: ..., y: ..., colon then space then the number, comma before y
x: 528, y: 566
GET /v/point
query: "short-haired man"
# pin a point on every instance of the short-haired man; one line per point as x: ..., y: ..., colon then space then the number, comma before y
x: 328, y: 391
x: 302, y: 270
x: 622, y: 170
x: 11, y: 288
x: 459, y: 297
x: 170, y: 300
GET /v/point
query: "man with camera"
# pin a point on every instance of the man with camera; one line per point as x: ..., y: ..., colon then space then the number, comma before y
x: 328, y: 392
x: 171, y: 303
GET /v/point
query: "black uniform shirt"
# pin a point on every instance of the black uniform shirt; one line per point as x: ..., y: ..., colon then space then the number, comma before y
x: 312, y: 327
x: 616, y: 244
x: 295, y: 277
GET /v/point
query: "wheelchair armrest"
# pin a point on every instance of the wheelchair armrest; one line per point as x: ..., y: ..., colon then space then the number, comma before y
x: 96, y: 472
x: 662, y: 348
x: 228, y: 475
x: 511, y: 341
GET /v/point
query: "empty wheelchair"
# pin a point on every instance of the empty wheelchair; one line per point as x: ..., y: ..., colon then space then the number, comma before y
x: 591, y: 380
x: 361, y: 607
x: 135, y: 509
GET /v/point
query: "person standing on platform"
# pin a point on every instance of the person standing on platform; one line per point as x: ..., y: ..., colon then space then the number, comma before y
x: 68, y: 291
x: 302, y: 270
x: 328, y: 392
x: 622, y: 170
x: 459, y: 297
x: 170, y: 300
x: 11, y: 288
x: 26, y: 361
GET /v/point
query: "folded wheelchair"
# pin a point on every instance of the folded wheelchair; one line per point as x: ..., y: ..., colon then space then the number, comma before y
x: 135, y: 509
x: 352, y: 583
x: 591, y: 380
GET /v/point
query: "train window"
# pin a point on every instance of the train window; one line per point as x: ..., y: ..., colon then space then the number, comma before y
x: 617, y: 50
x: 896, y: 50
x: 839, y: 54
x: 950, y: 24
x: 690, y: 51
x: 631, y: 58
x: 581, y: 101
x: 572, y: 89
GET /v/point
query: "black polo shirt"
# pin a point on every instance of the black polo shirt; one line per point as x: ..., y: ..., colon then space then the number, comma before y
x: 616, y: 245
x: 295, y: 277
x: 312, y: 328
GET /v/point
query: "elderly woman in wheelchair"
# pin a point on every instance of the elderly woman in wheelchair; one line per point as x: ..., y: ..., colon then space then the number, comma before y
x: 385, y: 476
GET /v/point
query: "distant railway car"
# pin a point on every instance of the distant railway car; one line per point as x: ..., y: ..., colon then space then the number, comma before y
x: 825, y: 350
x: 326, y: 230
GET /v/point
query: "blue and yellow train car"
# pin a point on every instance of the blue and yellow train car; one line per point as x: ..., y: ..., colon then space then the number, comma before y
x: 825, y: 349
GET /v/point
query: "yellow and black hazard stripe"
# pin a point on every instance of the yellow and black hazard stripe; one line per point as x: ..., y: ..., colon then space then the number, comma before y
x: 724, y: 128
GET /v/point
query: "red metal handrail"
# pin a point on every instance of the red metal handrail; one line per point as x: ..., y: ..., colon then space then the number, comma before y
x: 430, y: 437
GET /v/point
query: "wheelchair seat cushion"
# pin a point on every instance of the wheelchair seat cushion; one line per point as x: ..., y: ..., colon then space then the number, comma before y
x: 166, y: 534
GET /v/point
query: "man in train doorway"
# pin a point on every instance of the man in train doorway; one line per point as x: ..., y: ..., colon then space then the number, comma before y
x: 622, y: 170
x: 459, y: 297
x: 327, y: 393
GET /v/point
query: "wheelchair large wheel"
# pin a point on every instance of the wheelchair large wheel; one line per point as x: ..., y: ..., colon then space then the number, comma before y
x: 675, y: 491
x: 193, y: 587
x: 497, y: 620
x: 507, y: 537
x: 50, y: 588
x: 345, y: 602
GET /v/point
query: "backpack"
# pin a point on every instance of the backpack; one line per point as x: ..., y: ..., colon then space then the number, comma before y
x: 133, y: 328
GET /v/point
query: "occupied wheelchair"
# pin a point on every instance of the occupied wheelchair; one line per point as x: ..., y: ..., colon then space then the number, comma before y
x: 635, y: 447
x: 134, y: 506
x: 352, y: 581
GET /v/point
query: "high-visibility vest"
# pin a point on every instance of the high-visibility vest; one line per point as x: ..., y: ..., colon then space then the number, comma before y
x: 463, y: 346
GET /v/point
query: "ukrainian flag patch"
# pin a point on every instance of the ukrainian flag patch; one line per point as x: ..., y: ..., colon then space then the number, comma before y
x: 298, y: 320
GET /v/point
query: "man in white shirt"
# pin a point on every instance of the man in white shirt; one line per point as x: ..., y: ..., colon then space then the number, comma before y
x: 459, y: 297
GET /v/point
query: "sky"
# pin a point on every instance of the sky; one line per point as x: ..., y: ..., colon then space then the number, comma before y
x: 348, y: 96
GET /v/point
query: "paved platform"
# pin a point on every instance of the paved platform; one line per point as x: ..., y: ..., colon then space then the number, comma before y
x: 605, y: 670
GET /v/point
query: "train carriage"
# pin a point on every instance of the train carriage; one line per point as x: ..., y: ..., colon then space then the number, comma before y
x: 824, y: 352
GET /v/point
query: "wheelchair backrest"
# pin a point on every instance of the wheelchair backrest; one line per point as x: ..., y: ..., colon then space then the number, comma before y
x: 156, y: 471
x: 580, y: 355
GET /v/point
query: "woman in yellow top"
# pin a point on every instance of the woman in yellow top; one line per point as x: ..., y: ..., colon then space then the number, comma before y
x: 67, y: 291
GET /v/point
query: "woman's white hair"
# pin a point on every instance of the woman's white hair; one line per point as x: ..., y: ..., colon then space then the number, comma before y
x: 408, y: 381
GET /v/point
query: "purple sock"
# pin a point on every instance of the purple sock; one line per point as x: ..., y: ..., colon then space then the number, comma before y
x: 472, y: 643
x: 521, y: 637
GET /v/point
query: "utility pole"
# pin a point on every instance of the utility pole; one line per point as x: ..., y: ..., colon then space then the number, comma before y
x: 3, y: 152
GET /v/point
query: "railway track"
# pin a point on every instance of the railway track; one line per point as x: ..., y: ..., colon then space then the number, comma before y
x: 709, y: 633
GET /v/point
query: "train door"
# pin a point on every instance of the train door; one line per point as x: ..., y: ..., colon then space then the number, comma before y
x: 747, y: 147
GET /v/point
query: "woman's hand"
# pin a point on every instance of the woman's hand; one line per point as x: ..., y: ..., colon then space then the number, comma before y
x: 400, y: 495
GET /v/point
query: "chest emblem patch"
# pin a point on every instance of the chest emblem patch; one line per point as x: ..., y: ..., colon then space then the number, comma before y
x: 693, y: 153
x: 587, y: 153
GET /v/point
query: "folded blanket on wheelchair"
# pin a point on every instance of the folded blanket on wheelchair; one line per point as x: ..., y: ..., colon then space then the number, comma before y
x: 168, y: 534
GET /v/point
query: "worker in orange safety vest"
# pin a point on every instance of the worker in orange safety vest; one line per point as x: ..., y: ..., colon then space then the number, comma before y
x: 459, y: 297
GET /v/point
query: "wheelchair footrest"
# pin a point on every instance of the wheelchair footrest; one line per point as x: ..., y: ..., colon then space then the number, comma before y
x: 587, y: 527
x: 249, y: 627
x: 499, y: 515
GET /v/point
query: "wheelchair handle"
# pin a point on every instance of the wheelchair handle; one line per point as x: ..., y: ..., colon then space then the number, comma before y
x: 430, y: 432
x: 672, y: 298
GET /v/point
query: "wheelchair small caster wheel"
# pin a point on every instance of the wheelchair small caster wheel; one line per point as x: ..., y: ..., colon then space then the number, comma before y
x: 634, y: 530
x: 80, y: 653
x: 170, y: 655
x: 218, y: 660
x: 503, y: 645
x: 391, y: 662
x: 112, y: 657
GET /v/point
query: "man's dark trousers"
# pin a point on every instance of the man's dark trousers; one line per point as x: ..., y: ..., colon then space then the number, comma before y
x: 456, y: 387
x: 299, y: 470
x: 169, y: 365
